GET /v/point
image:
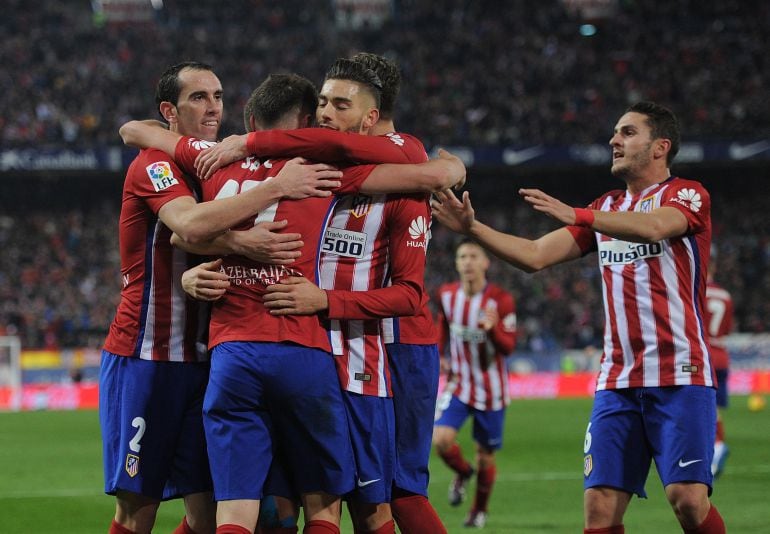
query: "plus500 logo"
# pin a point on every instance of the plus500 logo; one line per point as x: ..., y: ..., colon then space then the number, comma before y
x: 623, y: 252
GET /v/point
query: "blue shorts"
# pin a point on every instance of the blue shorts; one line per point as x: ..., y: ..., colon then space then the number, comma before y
x: 675, y: 426
x: 372, y: 431
x: 152, y: 427
x: 264, y: 397
x: 414, y: 372
x: 487, y: 425
x: 722, y: 391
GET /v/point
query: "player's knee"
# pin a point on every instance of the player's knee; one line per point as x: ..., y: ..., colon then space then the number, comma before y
x: 689, y: 502
x: 135, y: 511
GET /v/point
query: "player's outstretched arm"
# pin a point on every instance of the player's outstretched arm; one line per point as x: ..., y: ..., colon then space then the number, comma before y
x: 661, y: 223
x: 435, y: 175
x: 526, y: 254
x: 149, y: 134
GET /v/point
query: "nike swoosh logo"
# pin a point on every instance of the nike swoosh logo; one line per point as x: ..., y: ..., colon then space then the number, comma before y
x: 363, y: 484
x: 738, y: 151
x: 682, y: 463
x: 515, y: 157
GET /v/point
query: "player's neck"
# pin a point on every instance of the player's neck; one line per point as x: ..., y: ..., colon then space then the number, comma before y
x: 383, y: 126
x: 471, y: 287
x: 637, y: 184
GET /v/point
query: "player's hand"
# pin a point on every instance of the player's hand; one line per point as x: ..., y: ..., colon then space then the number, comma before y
x: 295, y: 295
x: 228, y: 150
x: 299, y: 179
x: 266, y: 244
x: 449, y: 211
x: 456, y: 168
x: 205, y: 281
x: 550, y: 206
x: 489, y: 318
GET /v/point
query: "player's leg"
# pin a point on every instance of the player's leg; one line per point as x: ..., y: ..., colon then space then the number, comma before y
x: 414, y: 377
x: 721, y: 450
x: 616, y: 459
x: 141, y: 411
x: 239, y: 430
x: 450, y: 416
x: 681, y: 423
x: 200, y: 514
x: 312, y: 430
x: 488, y: 435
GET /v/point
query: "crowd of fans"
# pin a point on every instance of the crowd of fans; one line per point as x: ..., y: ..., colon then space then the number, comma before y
x: 477, y: 73
x: 60, y: 273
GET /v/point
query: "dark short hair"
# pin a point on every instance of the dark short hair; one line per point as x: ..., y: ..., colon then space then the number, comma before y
x: 168, y: 87
x: 663, y: 125
x: 387, y: 70
x: 278, y: 95
x: 347, y: 69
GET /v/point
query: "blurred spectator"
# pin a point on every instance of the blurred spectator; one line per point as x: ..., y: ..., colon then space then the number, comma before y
x: 479, y: 73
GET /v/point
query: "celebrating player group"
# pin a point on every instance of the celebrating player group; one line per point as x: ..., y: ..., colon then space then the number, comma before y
x: 274, y: 349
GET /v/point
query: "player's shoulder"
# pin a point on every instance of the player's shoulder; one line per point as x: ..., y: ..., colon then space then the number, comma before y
x: 677, y: 183
x: 498, y: 291
x: 448, y: 287
x: 410, y: 144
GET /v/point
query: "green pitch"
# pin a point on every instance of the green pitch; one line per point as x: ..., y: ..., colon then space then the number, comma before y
x: 50, y: 475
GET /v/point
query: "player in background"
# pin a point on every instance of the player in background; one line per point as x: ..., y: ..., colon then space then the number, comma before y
x: 719, y: 323
x: 411, y: 341
x: 655, y: 395
x: 243, y: 335
x: 154, y: 364
x: 477, y: 326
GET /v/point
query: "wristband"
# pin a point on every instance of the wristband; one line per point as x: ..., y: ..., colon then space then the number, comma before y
x: 584, y: 217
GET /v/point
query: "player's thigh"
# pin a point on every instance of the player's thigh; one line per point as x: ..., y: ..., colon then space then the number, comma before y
x: 615, y: 450
x: 305, y: 402
x: 143, y: 413
x: 451, y: 414
x: 681, y: 427
x: 237, y: 425
x: 372, y: 432
x: 488, y: 428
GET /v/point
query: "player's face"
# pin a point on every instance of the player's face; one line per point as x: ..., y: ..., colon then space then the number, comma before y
x: 199, y: 108
x: 471, y: 262
x: 345, y: 106
x: 632, y: 145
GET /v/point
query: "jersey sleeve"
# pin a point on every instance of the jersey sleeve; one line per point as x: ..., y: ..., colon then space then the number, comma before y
x: 157, y: 179
x: 692, y: 199
x: 503, y: 334
x: 187, y: 149
x: 407, y: 242
x: 353, y: 178
x: 443, y: 327
x: 332, y: 146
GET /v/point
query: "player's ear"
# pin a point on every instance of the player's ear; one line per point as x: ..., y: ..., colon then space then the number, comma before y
x: 371, y: 118
x: 662, y: 147
x: 168, y: 110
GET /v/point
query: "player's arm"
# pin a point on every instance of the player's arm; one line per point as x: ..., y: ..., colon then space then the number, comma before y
x: 263, y: 242
x: 443, y: 337
x: 429, y: 177
x: 526, y: 254
x: 149, y: 134
x: 313, y: 143
x: 501, y: 325
x: 659, y: 224
x: 206, y: 281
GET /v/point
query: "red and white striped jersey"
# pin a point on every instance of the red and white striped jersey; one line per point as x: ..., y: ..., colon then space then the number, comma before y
x: 155, y: 319
x: 719, y: 323
x: 478, y: 371
x: 654, y: 293
x: 241, y: 315
x: 375, y: 244
x: 369, y: 242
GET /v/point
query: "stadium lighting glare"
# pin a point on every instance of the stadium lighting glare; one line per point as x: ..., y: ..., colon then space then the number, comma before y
x: 587, y: 30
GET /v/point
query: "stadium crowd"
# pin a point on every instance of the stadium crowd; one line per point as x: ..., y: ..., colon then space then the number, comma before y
x: 478, y: 73
x: 59, y: 274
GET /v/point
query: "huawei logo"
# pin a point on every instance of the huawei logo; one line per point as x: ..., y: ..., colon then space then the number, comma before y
x: 418, y: 228
x: 418, y: 231
x: 690, y: 197
x: 200, y: 144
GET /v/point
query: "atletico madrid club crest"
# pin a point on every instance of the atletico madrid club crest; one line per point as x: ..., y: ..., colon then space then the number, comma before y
x: 588, y: 465
x: 132, y: 465
x: 361, y: 206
